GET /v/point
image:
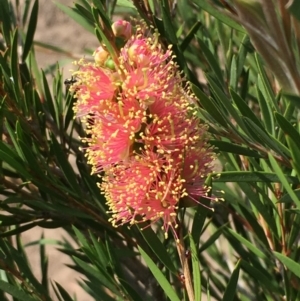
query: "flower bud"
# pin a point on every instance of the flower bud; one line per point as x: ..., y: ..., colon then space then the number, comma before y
x: 139, y: 53
x: 110, y: 64
x: 100, y: 56
x: 122, y: 29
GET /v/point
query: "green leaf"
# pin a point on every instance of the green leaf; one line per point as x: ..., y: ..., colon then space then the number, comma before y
x: 233, y: 74
x: 254, y: 223
x: 264, y: 84
x: 7, y: 155
x: 251, y: 247
x: 251, y: 176
x: 244, y: 109
x: 241, y: 57
x: 75, y: 16
x: 69, y: 115
x: 18, y: 230
x: 85, y: 13
x: 190, y: 36
x: 230, y: 291
x: 294, y: 232
x: 17, y: 257
x: 210, y: 106
x: 55, y: 289
x: 26, y: 12
x: 131, y: 292
x: 102, y: 276
x: 5, y: 17
x: 102, y: 255
x: 8, y: 220
x: 292, y: 265
x: 293, y: 98
x: 63, y: 292
x: 31, y: 30
x: 260, y: 135
x: 14, y: 68
x: 81, y: 238
x: 288, y: 129
x: 196, y: 269
x: 48, y: 98
x: 65, y: 166
x: 227, y: 105
x: 212, y: 61
x: 294, y: 8
x: 159, y: 276
x: 158, y: 248
x: 284, y: 180
x: 229, y: 147
x: 224, y: 104
x: 169, y: 28
x: 219, y: 15
x: 199, y: 219
x: 287, y: 198
x: 265, y: 280
x: 211, y: 240
x: 267, y: 113
x: 295, y: 153
x: 43, y: 263
x: 15, y: 291
x: 125, y: 3
x: 13, y: 138
x: 105, y: 20
x: 293, y: 140
x: 106, y: 41
x: 4, y: 66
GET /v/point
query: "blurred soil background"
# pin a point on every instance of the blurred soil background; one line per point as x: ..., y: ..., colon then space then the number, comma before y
x: 57, y: 29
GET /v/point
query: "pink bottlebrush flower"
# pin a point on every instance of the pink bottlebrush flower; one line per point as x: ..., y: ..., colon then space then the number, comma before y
x: 146, y: 188
x: 148, y: 71
x: 173, y: 126
x: 198, y: 163
x: 112, y: 135
x: 94, y: 88
x: 145, y: 133
x: 150, y: 187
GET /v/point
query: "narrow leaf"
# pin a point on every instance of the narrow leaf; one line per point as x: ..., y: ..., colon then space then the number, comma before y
x: 229, y: 147
x: 75, y: 16
x: 292, y: 265
x: 63, y: 292
x: 15, y: 292
x: 161, y: 279
x: 288, y: 129
x: 30, y: 30
x: 230, y: 291
x: 158, y: 248
x: 210, y: 107
x: 284, y: 180
x: 220, y: 16
x: 196, y: 270
x: 251, y: 247
x: 251, y: 176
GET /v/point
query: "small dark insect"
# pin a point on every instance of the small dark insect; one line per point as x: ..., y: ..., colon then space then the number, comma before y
x: 69, y: 82
x: 181, y: 278
x: 187, y: 254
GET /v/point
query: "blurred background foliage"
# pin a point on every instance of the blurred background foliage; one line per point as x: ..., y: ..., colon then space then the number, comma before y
x: 242, y: 58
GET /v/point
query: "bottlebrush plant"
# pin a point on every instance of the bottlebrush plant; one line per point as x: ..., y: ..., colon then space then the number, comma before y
x: 171, y: 157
